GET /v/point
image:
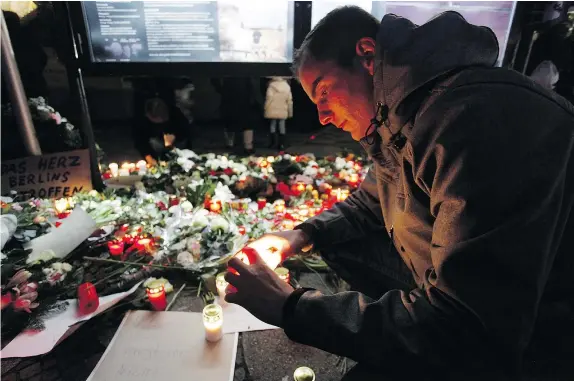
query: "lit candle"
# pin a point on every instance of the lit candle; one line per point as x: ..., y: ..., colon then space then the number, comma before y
x: 213, y: 322
x: 261, y: 202
x: 221, y: 285
x: 264, y: 163
x: 270, y: 159
x: 143, y: 244
x: 116, y: 247
x: 300, y: 187
x: 124, y: 172
x: 280, y: 206
x: 129, y: 239
x: 142, y: 167
x: 61, y: 205
x: 88, y: 300
x: 156, y: 296
x: 132, y: 167
x: 304, y: 374
x: 113, y: 167
x: 126, y: 165
x: 344, y: 194
x: 288, y: 225
x: 354, y: 178
x: 215, y: 206
x: 283, y: 274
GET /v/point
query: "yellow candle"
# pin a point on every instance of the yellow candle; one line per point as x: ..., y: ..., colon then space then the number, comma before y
x: 213, y: 322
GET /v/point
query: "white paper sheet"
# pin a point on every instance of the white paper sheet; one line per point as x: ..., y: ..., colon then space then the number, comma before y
x: 170, y: 346
x: 34, y: 343
x: 75, y: 229
x: 238, y: 319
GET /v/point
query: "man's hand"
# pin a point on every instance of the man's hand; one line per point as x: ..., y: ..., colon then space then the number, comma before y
x: 258, y: 289
x: 168, y: 140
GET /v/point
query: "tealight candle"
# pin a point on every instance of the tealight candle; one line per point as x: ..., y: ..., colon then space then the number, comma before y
x: 116, y: 247
x: 213, y: 322
x: 113, y: 167
x: 283, y: 274
x: 156, y: 296
x: 221, y: 285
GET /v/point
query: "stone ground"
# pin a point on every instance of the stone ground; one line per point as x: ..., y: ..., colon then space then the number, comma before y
x: 261, y: 356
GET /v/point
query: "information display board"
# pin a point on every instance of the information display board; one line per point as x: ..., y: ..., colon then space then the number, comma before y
x: 497, y: 15
x: 190, y: 31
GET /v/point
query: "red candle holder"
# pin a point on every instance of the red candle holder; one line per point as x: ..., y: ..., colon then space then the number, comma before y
x: 143, y: 244
x: 129, y: 239
x: 156, y: 296
x: 116, y: 247
x: 88, y: 300
x: 261, y: 202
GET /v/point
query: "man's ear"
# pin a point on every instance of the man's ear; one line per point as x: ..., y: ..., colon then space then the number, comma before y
x: 365, y: 49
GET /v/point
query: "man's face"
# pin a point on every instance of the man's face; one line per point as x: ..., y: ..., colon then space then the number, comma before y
x: 344, y: 97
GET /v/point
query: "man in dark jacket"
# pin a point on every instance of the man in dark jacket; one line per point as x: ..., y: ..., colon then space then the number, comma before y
x: 461, y: 237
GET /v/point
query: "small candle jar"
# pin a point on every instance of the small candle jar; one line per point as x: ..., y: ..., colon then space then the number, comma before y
x: 283, y: 274
x: 304, y: 374
x: 156, y: 296
x: 221, y: 285
x: 88, y: 300
x: 213, y: 322
x: 143, y: 244
x: 116, y: 247
x: 113, y: 167
x: 279, y: 206
x: 261, y: 202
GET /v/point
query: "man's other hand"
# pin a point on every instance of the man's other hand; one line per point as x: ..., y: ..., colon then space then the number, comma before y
x: 258, y: 289
x: 150, y: 160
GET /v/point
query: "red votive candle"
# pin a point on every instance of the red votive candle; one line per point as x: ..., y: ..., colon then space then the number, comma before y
x: 156, y: 296
x: 116, y: 247
x: 261, y: 202
x: 88, y: 300
x: 143, y: 244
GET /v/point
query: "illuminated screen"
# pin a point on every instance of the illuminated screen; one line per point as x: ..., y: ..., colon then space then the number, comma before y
x: 190, y: 31
x: 497, y: 15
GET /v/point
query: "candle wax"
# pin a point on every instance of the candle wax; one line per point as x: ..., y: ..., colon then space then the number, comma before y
x: 213, y: 322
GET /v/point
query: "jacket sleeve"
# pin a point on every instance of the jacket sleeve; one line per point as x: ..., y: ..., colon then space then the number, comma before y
x: 141, y: 133
x: 358, y: 215
x: 499, y: 211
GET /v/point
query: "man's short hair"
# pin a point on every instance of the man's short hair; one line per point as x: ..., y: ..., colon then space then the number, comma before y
x: 335, y: 36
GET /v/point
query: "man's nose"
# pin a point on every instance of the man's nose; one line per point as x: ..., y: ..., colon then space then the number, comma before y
x: 325, y: 117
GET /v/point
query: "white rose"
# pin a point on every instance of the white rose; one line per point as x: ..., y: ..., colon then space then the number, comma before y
x: 66, y: 267
x: 185, y: 259
x: 172, y: 209
x: 194, y: 247
x: 220, y: 223
x: 200, y: 221
x: 210, y: 156
x: 286, y: 157
x: 57, y: 266
x: 186, y: 206
x: 93, y: 193
x: 321, y: 170
x: 310, y: 171
x: 350, y: 164
x: 178, y: 246
x: 340, y: 163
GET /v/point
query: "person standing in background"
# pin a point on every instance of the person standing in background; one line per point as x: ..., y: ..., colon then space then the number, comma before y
x: 278, y: 107
x: 241, y: 101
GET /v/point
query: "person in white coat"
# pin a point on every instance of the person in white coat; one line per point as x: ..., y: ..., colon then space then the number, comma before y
x: 278, y: 108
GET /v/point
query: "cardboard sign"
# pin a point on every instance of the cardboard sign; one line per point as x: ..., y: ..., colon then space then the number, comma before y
x: 157, y: 346
x: 48, y: 176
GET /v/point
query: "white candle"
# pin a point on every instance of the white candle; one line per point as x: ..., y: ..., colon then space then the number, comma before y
x: 142, y: 167
x: 213, y: 322
x: 124, y: 172
x: 113, y: 169
x: 221, y: 285
x: 61, y: 205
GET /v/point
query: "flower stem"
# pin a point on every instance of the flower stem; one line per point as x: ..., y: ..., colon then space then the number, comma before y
x: 134, y: 264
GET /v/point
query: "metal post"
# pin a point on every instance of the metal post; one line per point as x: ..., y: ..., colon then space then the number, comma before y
x: 17, y: 94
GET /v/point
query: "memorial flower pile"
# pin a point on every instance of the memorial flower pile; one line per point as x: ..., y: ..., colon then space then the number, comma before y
x: 190, y: 213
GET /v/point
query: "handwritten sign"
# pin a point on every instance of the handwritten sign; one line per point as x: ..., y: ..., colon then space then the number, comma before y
x: 48, y: 176
x: 166, y: 346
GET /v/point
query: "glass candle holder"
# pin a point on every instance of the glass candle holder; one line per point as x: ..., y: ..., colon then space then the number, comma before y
x: 304, y: 374
x: 156, y: 296
x: 113, y: 167
x: 213, y: 322
x: 221, y: 285
x: 283, y: 274
x: 116, y: 247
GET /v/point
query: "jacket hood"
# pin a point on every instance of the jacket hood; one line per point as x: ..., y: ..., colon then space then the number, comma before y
x: 409, y: 56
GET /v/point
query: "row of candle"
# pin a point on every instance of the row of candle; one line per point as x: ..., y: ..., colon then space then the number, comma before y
x: 127, y: 168
x: 118, y: 246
